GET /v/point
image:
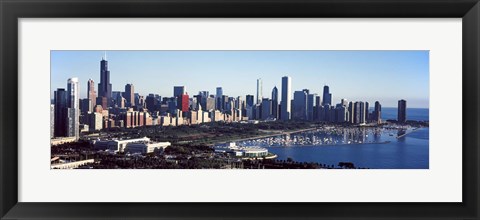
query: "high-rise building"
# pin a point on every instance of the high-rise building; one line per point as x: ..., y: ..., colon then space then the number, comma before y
x: 91, y: 94
x: 342, y: 114
x: 316, y: 110
x: 310, y: 105
x: 249, y: 99
x: 223, y: 103
x: 151, y: 103
x: 259, y: 91
x: 402, y: 111
x: 356, y: 113
x: 351, y: 112
x: 178, y: 91
x: 219, y: 92
x: 52, y: 121
x: 286, y: 97
x: 183, y: 101
x: 60, y: 117
x: 102, y: 100
x: 172, y: 106
x: 367, y: 113
x: 85, y: 106
x: 210, y: 104
x: 327, y: 96
x: 130, y: 95
x: 95, y: 121
x: 239, y: 103
x: 140, y: 101
x: 73, y: 108
x: 328, y: 113
x: 299, y: 111
x: 104, y: 87
x: 266, y: 108
x: 218, y: 98
x: 362, y: 113
x: 202, y: 99
x: 275, y: 103
x: 377, y: 113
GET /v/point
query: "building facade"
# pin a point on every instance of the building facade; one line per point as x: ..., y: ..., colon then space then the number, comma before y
x: 286, y: 97
x: 402, y: 111
x: 73, y: 108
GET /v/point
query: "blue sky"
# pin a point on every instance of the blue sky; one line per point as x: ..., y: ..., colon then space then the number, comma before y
x: 384, y: 76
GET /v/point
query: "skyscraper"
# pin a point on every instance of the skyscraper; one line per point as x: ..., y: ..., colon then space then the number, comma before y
x: 362, y: 113
x: 104, y: 87
x: 219, y: 92
x: 342, y: 114
x: 275, y: 102
x: 151, y: 103
x: 377, y: 113
x: 52, y: 121
x: 327, y: 96
x: 239, y: 103
x: 73, y: 108
x: 249, y: 100
x: 130, y: 95
x: 60, y: 114
x: 351, y: 112
x: 259, y: 91
x: 210, y: 104
x: 299, y: 111
x: 178, y: 91
x: 286, y: 97
x: 402, y: 111
x: 91, y: 94
x: 266, y: 108
x: 310, y: 105
x: 223, y: 103
x: 367, y: 116
x: 218, y: 98
x: 202, y: 99
x: 318, y: 105
x: 183, y: 103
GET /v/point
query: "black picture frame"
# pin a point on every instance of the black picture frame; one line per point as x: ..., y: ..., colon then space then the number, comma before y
x: 12, y: 10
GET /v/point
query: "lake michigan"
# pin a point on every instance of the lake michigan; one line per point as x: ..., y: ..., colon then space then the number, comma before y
x: 365, y: 148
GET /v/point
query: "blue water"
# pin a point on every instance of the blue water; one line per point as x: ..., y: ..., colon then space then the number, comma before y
x: 375, y: 148
x: 408, y: 152
x: 416, y: 114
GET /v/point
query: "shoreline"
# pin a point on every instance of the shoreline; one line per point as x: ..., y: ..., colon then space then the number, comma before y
x: 327, y: 145
x: 265, y: 136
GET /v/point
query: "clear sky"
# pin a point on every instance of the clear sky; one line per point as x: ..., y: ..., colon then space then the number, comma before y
x: 384, y: 76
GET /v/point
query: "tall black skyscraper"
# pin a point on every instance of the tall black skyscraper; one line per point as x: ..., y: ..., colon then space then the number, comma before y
x: 104, y: 87
x: 327, y: 96
x: 60, y: 114
x: 275, y: 102
x: 130, y: 95
x: 377, y: 112
x: 249, y: 100
x: 402, y: 111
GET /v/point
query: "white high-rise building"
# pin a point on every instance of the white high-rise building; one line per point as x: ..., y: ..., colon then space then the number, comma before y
x: 259, y: 91
x: 73, y: 108
x: 286, y: 105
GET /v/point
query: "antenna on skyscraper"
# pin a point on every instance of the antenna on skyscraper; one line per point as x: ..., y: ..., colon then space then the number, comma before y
x: 105, y: 54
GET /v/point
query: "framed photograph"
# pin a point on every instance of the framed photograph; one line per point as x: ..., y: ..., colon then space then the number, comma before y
x: 249, y: 110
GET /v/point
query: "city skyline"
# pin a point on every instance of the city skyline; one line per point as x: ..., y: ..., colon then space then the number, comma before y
x: 411, y: 87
